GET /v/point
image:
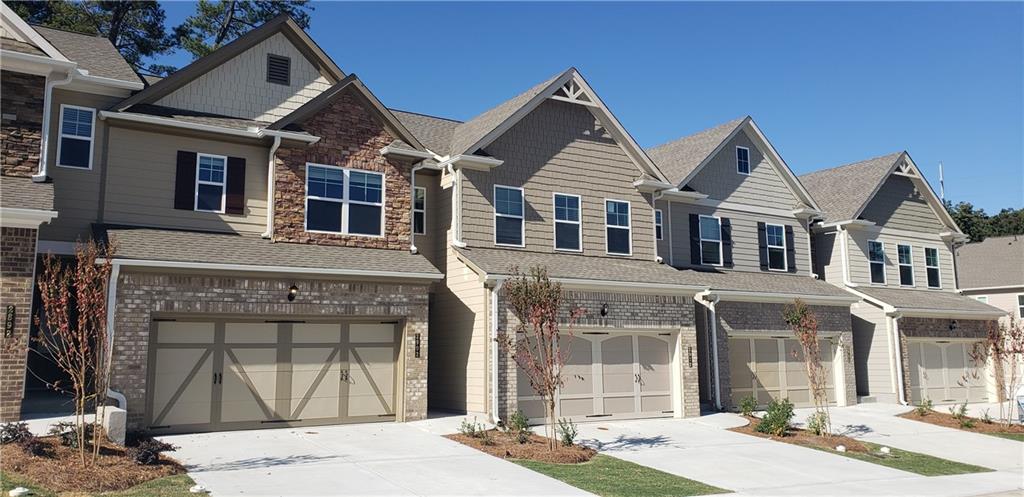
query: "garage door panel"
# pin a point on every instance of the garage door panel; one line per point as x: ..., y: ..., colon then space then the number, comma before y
x: 250, y: 333
x: 371, y: 382
x: 655, y: 375
x: 579, y: 368
x: 249, y: 386
x: 656, y: 403
x: 619, y: 405
x: 182, y: 392
x: 184, y: 332
x: 741, y: 367
x: 316, y: 333
x: 945, y: 372
x: 576, y: 407
x: 315, y: 383
x: 778, y: 370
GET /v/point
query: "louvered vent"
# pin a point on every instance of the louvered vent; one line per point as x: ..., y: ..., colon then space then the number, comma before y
x: 279, y: 69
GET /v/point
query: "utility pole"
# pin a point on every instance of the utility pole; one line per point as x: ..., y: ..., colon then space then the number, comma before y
x: 942, y: 185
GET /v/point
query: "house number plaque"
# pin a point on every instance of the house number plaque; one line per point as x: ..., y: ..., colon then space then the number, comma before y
x: 9, y: 322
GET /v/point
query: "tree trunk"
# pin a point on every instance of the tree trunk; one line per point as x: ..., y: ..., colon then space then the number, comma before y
x: 551, y: 424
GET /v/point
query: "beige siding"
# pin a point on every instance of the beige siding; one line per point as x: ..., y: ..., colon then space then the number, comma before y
x: 239, y: 86
x: 431, y: 244
x: 872, y: 352
x: 141, y: 178
x: 665, y: 244
x: 900, y: 205
x: 830, y: 257
x: 761, y: 188
x: 860, y: 270
x: 1003, y: 299
x: 559, y: 147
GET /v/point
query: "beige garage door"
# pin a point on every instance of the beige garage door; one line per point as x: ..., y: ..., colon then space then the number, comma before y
x: 774, y: 368
x: 224, y: 375
x: 945, y: 372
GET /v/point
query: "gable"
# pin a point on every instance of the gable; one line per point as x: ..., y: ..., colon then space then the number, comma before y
x: 763, y: 187
x: 900, y: 204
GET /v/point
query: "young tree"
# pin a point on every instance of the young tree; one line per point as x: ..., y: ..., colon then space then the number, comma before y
x: 805, y: 327
x: 217, y: 23
x: 537, y: 343
x: 1004, y: 347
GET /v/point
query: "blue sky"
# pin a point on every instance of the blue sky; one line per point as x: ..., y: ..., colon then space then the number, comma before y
x: 828, y: 83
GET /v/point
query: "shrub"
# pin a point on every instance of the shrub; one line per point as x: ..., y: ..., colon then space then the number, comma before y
x: 777, y: 418
x: 748, y: 405
x: 817, y: 423
x: 36, y: 447
x: 469, y: 428
x: 485, y: 437
x: 518, y: 427
x: 68, y: 435
x: 16, y: 432
x: 567, y: 432
x: 959, y: 413
x: 148, y: 451
x: 924, y: 408
x: 985, y: 417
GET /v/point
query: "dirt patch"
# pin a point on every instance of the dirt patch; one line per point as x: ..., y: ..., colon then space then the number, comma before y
x: 797, y: 436
x: 947, y: 420
x: 500, y: 444
x: 59, y: 470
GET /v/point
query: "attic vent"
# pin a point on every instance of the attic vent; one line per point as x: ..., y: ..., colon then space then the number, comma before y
x: 279, y: 69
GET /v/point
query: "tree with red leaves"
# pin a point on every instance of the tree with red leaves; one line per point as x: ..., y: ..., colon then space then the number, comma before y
x: 805, y: 327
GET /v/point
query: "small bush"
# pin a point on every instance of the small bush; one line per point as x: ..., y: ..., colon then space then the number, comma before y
x: 817, y: 423
x: 986, y: 417
x: 485, y: 437
x: 924, y: 408
x: 748, y: 405
x: 68, y: 435
x: 36, y: 447
x: 469, y: 428
x: 959, y: 413
x: 518, y: 427
x: 148, y: 451
x: 567, y: 432
x: 777, y: 418
x: 16, y: 432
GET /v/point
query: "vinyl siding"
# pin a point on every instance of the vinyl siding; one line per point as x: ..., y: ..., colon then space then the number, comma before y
x: 860, y: 269
x: 1003, y: 299
x: 665, y: 244
x: 761, y: 188
x: 872, y: 352
x: 830, y: 258
x: 897, y: 206
x: 431, y: 244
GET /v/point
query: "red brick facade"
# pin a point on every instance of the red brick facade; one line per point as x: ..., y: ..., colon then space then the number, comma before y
x: 17, y: 264
x: 21, y: 101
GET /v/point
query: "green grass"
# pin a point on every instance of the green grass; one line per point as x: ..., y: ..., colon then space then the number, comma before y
x: 611, y: 477
x: 168, y: 486
x: 913, y: 462
x: 1012, y: 436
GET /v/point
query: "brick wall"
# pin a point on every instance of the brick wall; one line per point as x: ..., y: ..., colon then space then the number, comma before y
x: 21, y: 123
x: 937, y: 328
x: 141, y: 295
x: 17, y: 264
x: 351, y: 137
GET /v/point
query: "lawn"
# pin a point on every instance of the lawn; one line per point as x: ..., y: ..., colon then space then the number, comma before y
x: 169, y: 486
x: 1012, y: 436
x: 611, y: 477
x: 913, y: 462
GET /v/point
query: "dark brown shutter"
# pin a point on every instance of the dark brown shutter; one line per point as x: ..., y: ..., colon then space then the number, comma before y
x: 762, y: 246
x: 694, y: 239
x: 185, y: 181
x: 790, y: 250
x: 726, y: 242
x: 234, y: 202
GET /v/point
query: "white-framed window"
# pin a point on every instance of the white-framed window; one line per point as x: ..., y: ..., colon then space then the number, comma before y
x: 981, y: 298
x: 77, y: 129
x: 905, y: 258
x: 659, y: 225
x: 211, y: 182
x: 876, y: 259
x: 419, y: 211
x: 931, y: 264
x: 618, y: 231
x: 743, y: 160
x: 710, y: 240
x: 344, y: 201
x: 568, y: 228
x: 1020, y: 306
x: 775, y: 235
x: 509, y: 229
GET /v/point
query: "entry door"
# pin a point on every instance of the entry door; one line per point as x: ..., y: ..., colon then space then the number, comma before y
x: 945, y: 372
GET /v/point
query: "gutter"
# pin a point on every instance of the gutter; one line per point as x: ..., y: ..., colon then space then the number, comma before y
x: 245, y: 133
x: 898, y: 348
x: 277, y: 269
x: 844, y: 252
x: 778, y: 297
x: 270, y: 187
x: 44, y: 156
x: 454, y: 165
x: 712, y: 318
x: 115, y: 272
x: 412, y: 205
x: 499, y: 283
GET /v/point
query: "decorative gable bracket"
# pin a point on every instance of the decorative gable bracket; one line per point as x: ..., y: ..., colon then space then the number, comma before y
x: 573, y: 93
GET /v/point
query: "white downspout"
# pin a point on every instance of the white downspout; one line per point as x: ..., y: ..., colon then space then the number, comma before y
x: 270, y: 187
x: 456, y: 206
x: 810, y: 250
x: 494, y: 350
x: 671, y: 250
x: 47, y: 105
x: 712, y: 319
x: 654, y: 203
x: 900, y: 387
x: 115, y: 272
x: 843, y: 242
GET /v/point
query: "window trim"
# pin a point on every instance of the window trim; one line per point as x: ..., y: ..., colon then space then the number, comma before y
x: 721, y: 245
x: 555, y: 221
x: 885, y: 277
x: 1020, y: 306
x: 738, y: 171
x: 769, y: 247
x: 92, y: 136
x: 937, y: 267
x: 899, y: 265
x: 344, y: 201
x: 628, y: 227
x: 223, y: 185
x: 659, y: 225
x: 981, y: 298
x: 521, y: 217
x: 423, y: 210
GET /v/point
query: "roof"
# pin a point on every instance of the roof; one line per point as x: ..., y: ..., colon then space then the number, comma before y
x: 93, y: 54
x: 20, y: 46
x: 841, y: 191
x: 434, y: 132
x: 928, y: 300
x: 193, y: 117
x: 994, y: 262
x: 23, y: 193
x: 253, y: 250
x: 678, y: 158
x: 749, y: 281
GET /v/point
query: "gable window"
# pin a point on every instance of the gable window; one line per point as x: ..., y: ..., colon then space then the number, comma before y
x: 775, y: 235
x: 618, y: 233
x: 876, y: 258
x: 658, y: 225
x: 508, y: 216
x: 76, y: 134
x: 905, y: 258
x: 419, y: 211
x: 710, y: 241
x: 344, y: 201
x: 567, y: 222
x: 743, y: 160
x: 981, y: 298
x: 211, y: 179
x: 931, y: 264
x: 279, y: 70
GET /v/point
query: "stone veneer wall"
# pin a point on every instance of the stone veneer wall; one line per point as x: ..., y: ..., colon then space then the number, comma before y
x: 17, y: 267
x: 937, y: 328
x: 21, y: 123
x: 141, y: 295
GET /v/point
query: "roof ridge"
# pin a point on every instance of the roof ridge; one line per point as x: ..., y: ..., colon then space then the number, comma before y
x: 850, y: 164
x: 97, y: 35
x: 392, y: 109
x: 705, y: 130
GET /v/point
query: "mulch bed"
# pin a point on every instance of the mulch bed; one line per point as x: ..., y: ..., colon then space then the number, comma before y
x: 947, y: 420
x: 799, y: 436
x: 506, y: 447
x: 60, y: 469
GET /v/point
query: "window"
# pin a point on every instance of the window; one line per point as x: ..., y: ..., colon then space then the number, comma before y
x: 567, y: 222
x: 617, y: 228
x: 279, y: 70
x: 508, y: 216
x: 1020, y: 306
x: 710, y: 241
x: 742, y: 160
x: 981, y: 298
x: 905, y: 256
x: 658, y: 225
x: 775, y: 235
x: 931, y: 264
x: 76, y: 131
x: 419, y: 211
x: 211, y: 178
x: 876, y: 256
x: 345, y: 201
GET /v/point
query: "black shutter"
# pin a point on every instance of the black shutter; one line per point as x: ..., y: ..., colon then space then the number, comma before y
x: 694, y: 239
x: 790, y: 250
x: 726, y: 242
x: 762, y: 246
x: 234, y: 202
x: 185, y: 181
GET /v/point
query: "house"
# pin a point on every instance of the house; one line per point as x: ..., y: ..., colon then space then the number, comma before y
x: 886, y: 238
x: 992, y: 271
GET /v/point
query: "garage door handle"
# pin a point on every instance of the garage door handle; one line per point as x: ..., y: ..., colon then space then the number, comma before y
x: 344, y: 375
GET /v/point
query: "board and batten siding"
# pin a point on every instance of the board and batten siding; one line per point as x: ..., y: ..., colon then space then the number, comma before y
x: 763, y: 187
x: 872, y: 351
x: 141, y: 178
x: 898, y: 204
x: 860, y: 268
x: 558, y: 147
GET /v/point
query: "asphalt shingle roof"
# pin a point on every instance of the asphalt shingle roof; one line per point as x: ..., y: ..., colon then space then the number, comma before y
x: 994, y: 262
x: 749, y: 281
x: 94, y: 54
x: 434, y: 132
x: 23, y: 193
x: 928, y: 300
x: 20, y: 46
x: 678, y: 158
x: 841, y: 191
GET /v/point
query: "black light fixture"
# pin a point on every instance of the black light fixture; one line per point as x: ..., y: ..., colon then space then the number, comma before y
x: 292, y: 292
x: 604, y: 310
x: 954, y: 325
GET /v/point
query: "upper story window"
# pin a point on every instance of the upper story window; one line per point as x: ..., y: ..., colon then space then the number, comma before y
x: 931, y: 264
x: 1020, y: 306
x: 876, y: 258
x: 905, y: 258
x: 710, y: 240
x: 981, y: 298
x: 76, y: 135
x: 659, y: 225
x: 743, y: 160
x: 508, y: 216
x: 618, y: 233
x: 567, y: 222
x: 344, y: 201
x: 775, y: 235
x: 211, y: 182
x: 279, y: 70
x: 419, y: 211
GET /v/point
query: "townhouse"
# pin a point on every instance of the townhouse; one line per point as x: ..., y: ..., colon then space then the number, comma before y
x: 992, y: 271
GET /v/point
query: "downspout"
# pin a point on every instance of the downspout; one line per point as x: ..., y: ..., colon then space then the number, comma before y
x: 412, y: 208
x: 115, y: 272
x: 456, y: 206
x: 270, y: 187
x: 900, y: 387
x: 843, y: 242
x: 810, y: 250
x: 494, y: 350
x: 654, y: 203
x: 47, y: 105
x: 712, y: 319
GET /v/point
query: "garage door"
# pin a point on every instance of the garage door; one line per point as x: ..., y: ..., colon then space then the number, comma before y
x: 609, y: 376
x: 944, y: 372
x: 774, y: 368
x: 226, y: 375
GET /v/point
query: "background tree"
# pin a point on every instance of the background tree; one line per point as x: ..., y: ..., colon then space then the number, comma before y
x: 217, y: 23
x: 978, y: 225
x: 1004, y: 347
x: 805, y: 327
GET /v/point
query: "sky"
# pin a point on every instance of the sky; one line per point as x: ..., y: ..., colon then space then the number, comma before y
x: 828, y: 83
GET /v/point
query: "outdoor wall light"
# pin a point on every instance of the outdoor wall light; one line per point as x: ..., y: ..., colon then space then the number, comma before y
x: 604, y: 310
x: 292, y: 292
x: 954, y: 325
